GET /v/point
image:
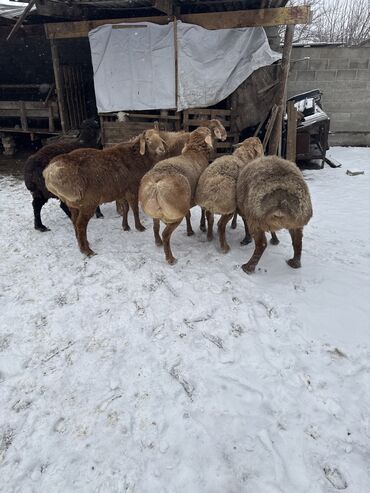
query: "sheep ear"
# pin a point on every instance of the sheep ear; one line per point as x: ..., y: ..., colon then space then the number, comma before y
x: 156, y: 126
x: 217, y: 133
x: 208, y: 140
x: 142, y: 144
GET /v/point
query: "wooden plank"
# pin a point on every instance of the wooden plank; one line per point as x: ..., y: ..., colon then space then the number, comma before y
x: 22, y: 110
x: 23, y: 31
x: 270, y: 126
x: 165, y: 6
x: 59, y: 86
x: 200, y: 123
x: 210, y: 20
x: 30, y: 130
x: 34, y: 113
x: 29, y: 105
x: 207, y: 111
x: 275, y: 141
x: 20, y: 20
x: 291, y: 142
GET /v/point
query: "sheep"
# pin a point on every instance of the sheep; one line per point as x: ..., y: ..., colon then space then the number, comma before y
x: 167, y: 191
x: 36, y: 163
x: 174, y: 143
x: 85, y: 178
x: 216, y: 189
x: 272, y: 195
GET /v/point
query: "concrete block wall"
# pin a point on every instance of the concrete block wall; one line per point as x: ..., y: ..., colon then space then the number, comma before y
x: 343, y: 76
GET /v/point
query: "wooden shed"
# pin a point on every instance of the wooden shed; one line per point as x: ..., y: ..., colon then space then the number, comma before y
x: 256, y: 105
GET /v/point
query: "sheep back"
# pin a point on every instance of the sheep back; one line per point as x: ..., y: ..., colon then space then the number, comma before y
x: 216, y: 189
x: 272, y: 195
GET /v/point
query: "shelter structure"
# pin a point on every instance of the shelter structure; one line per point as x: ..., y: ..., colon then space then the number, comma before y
x: 53, y: 43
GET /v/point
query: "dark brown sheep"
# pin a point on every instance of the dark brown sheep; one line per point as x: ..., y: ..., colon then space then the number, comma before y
x: 272, y: 195
x: 36, y: 164
x: 85, y: 178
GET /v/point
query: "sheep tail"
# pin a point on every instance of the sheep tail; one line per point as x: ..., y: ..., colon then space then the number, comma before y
x: 64, y: 182
x: 165, y: 197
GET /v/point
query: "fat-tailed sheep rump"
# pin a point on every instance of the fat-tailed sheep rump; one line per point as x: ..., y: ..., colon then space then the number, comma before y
x: 272, y: 195
x: 216, y: 189
x: 167, y: 191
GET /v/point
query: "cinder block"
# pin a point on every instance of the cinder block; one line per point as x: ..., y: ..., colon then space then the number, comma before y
x: 363, y: 75
x: 292, y: 76
x: 349, y: 139
x: 346, y: 74
x: 339, y: 62
x: 340, y: 116
x: 363, y: 64
x: 325, y: 75
x: 349, y: 126
x: 318, y: 64
x: 306, y: 75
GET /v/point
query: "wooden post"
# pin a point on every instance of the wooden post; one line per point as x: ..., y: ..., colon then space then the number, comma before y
x: 24, y: 122
x: 281, y: 94
x: 291, y: 141
x: 59, y: 86
x: 176, y: 61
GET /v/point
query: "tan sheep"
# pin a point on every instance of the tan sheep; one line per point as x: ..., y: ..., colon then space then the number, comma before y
x: 272, y: 195
x: 85, y: 178
x: 216, y: 189
x: 167, y: 191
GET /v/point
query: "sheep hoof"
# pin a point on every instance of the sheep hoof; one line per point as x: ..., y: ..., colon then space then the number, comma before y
x: 274, y: 241
x: 225, y: 249
x: 246, y: 240
x: 203, y: 228
x: 294, y: 263
x: 126, y: 228
x: 159, y: 242
x: 42, y: 229
x: 248, y: 268
x: 89, y: 253
x: 140, y: 227
x: 210, y: 237
x: 172, y: 260
x: 190, y: 233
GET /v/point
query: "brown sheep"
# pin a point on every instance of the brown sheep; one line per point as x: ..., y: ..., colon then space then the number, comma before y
x: 272, y: 195
x: 174, y: 143
x: 85, y: 178
x: 216, y: 189
x: 167, y: 191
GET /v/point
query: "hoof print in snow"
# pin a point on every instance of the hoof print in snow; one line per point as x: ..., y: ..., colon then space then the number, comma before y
x: 335, y: 478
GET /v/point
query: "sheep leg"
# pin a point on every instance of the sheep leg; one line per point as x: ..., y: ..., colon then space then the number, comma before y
x: 81, y: 229
x: 234, y: 221
x: 225, y: 218
x: 296, y: 235
x: 64, y: 208
x: 210, y: 221
x: 189, y: 229
x: 122, y: 209
x: 157, y: 236
x: 134, y: 204
x: 260, y: 245
x: 274, y: 239
x: 98, y: 213
x: 202, y: 225
x: 37, y: 204
x: 247, y: 238
x: 166, y: 235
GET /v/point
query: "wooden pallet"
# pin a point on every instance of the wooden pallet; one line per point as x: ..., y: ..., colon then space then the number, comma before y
x: 196, y: 117
x: 114, y: 131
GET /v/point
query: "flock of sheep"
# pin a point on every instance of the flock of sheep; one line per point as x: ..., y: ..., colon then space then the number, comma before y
x: 169, y: 173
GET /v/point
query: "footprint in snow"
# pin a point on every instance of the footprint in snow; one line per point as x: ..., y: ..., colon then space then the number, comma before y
x: 334, y: 476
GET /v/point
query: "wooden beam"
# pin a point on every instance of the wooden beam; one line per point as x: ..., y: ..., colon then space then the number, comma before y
x: 165, y: 6
x: 213, y: 20
x: 59, y: 86
x: 23, y: 31
x: 291, y: 140
x: 275, y: 140
x: 21, y: 18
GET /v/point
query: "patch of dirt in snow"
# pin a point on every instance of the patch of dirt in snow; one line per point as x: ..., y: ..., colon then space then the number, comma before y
x: 119, y: 373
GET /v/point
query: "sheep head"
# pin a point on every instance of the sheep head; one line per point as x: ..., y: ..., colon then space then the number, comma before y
x: 151, y: 142
x: 217, y: 129
x: 249, y: 149
x: 199, y: 137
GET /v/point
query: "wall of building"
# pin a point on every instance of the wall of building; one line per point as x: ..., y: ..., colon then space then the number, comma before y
x: 343, y: 76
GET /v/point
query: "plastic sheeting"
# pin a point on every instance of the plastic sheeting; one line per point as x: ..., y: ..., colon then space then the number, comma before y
x: 134, y: 65
x: 12, y: 10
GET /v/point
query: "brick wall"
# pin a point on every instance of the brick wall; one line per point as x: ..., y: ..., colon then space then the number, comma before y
x: 343, y: 75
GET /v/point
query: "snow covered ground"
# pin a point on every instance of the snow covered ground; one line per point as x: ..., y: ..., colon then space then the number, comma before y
x: 120, y: 373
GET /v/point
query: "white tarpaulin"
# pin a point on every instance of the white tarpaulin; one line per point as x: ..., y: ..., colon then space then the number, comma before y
x: 12, y: 10
x: 134, y: 65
